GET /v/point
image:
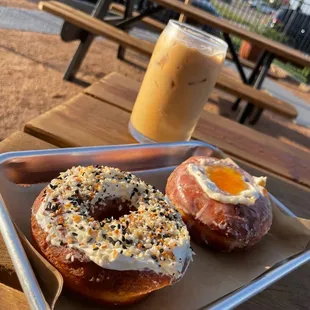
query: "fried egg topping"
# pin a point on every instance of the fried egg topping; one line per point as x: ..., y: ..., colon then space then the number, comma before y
x: 224, y: 181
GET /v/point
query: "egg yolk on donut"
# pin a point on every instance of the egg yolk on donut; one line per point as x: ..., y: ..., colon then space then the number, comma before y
x: 227, y: 179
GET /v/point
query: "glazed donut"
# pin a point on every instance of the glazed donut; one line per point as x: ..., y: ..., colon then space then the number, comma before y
x: 113, y: 238
x: 221, y: 204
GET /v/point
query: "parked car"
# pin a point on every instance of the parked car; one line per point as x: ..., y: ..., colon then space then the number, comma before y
x: 295, y: 27
x: 264, y: 8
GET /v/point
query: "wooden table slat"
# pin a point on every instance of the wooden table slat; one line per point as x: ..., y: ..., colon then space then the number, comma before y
x: 11, y: 299
x: 82, y: 121
x: 243, y: 142
x: 20, y: 141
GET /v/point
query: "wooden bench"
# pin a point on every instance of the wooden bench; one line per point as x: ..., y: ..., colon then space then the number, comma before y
x: 225, y: 81
x: 159, y: 26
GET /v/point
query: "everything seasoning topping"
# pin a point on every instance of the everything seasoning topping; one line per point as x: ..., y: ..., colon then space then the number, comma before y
x: 152, y: 235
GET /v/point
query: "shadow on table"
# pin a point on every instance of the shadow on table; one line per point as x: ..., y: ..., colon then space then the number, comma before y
x: 269, y: 124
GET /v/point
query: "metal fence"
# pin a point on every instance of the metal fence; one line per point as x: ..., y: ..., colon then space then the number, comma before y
x: 279, y: 20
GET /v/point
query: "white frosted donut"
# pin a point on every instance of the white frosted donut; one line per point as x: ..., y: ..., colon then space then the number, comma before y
x: 114, y: 220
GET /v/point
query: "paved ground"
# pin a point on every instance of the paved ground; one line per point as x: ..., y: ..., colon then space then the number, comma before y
x: 29, y: 20
x: 37, y: 21
x: 280, y: 92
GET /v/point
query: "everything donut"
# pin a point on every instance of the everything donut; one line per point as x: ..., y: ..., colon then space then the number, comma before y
x: 113, y: 238
x: 221, y: 204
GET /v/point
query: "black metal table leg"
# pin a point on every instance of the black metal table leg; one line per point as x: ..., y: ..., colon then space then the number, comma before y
x: 128, y: 13
x: 258, y: 111
x: 252, y: 78
x: 141, y: 5
x: 245, y: 80
x: 100, y: 11
x: 134, y: 19
x: 235, y: 57
x: 247, y: 110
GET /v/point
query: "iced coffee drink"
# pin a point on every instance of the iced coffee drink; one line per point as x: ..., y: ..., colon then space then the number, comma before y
x: 179, y: 79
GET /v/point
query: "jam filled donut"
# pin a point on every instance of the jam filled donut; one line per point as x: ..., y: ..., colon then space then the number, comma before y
x: 221, y: 204
x: 113, y: 238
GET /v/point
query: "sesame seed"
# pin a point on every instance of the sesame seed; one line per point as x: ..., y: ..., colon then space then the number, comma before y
x: 81, y: 192
x: 53, y: 186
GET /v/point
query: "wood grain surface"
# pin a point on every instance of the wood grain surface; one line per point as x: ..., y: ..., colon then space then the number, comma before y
x: 96, y: 118
x: 11, y: 299
x: 82, y: 121
x: 243, y: 142
x: 182, y: 17
x: 224, y: 82
x: 229, y: 83
x: 10, y: 295
x: 20, y: 141
x: 96, y: 26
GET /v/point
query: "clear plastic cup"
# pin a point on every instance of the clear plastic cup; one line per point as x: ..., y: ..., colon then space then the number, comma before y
x: 179, y: 79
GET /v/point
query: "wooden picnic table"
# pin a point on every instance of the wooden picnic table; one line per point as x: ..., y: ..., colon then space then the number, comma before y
x: 100, y: 116
x: 225, y: 81
x: 270, y: 48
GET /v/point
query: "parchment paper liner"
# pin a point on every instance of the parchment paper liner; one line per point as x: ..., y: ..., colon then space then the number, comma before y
x: 210, y: 276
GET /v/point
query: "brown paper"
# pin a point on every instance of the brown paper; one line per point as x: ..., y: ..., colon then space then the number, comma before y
x: 210, y: 276
x: 50, y: 280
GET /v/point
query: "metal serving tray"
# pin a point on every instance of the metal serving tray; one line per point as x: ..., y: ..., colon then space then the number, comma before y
x: 41, y: 166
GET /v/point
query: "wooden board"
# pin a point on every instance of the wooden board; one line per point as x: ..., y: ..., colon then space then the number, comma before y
x: 96, y: 26
x: 235, y: 139
x: 11, y: 299
x: 82, y: 121
x: 20, y: 141
x: 280, y: 50
x: 224, y: 82
x: 234, y: 86
x: 182, y: 17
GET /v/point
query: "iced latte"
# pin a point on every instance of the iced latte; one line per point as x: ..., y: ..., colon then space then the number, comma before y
x: 179, y: 79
